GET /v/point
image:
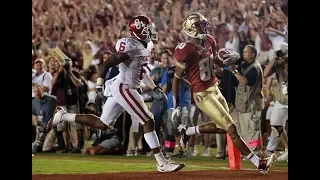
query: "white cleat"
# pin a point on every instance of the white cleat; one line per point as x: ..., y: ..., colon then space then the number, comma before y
x: 170, y: 166
x: 283, y: 157
x: 56, y: 118
x: 266, y: 163
x: 184, y: 137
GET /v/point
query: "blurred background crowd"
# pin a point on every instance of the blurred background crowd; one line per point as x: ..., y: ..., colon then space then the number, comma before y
x: 87, y: 30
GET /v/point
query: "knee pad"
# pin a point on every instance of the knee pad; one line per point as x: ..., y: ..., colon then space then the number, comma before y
x: 277, y: 130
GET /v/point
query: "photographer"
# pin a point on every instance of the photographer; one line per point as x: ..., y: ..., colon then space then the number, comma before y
x: 108, y: 142
x: 67, y: 82
x: 43, y: 107
x: 279, y: 115
x: 249, y: 98
x: 279, y: 64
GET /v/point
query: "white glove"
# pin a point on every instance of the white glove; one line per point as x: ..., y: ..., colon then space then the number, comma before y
x: 232, y: 57
x: 176, y: 113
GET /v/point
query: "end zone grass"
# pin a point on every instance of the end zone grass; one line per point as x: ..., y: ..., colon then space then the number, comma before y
x: 45, y: 163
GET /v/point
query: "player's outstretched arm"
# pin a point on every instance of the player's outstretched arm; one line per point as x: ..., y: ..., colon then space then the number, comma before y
x: 178, y: 74
x: 113, y: 60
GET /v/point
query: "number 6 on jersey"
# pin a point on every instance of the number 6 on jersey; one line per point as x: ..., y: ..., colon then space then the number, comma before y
x: 122, y: 46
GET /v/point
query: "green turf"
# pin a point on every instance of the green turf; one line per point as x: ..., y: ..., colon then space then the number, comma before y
x: 46, y: 163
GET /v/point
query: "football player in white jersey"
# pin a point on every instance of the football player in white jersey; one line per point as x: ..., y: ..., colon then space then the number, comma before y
x: 136, y: 128
x: 132, y: 56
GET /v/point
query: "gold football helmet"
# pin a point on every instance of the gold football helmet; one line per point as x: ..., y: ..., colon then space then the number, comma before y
x: 196, y: 26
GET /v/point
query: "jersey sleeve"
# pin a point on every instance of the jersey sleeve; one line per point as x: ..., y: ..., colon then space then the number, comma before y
x: 181, y: 55
x: 213, y: 43
x: 123, y: 45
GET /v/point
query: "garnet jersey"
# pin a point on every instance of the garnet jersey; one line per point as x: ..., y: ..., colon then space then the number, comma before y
x: 131, y: 71
x: 197, y: 63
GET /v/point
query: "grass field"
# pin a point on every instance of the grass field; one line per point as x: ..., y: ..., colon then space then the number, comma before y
x: 54, y: 166
x: 45, y: 163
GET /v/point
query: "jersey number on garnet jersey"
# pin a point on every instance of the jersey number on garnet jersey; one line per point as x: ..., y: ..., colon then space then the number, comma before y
x: 206, y: 69
x: 205, y: 66
x: 181, y: 45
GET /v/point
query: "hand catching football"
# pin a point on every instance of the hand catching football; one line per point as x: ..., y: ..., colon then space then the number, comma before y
x: 227, y: 56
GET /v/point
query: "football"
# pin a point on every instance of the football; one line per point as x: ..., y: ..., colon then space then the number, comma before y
x: 222, y: 52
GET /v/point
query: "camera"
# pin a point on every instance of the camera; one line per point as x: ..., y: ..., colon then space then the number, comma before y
x: 281, y: 53
x: 67, y: 64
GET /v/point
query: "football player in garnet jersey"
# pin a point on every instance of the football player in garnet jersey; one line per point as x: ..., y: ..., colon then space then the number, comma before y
x: 195, y: 59
x: 132, y: 56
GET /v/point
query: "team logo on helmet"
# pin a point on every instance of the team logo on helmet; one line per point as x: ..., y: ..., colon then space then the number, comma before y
x: 199, y: 98
x: 143, y: 28
x: 196, y: 26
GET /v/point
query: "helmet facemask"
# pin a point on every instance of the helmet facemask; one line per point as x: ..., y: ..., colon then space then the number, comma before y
x: 150, y: 32
x: 203, y: 27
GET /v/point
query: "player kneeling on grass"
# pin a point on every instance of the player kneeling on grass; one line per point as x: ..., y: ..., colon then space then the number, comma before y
x: 42, y: 109
x: 110, y: 143
x: 132, y: 56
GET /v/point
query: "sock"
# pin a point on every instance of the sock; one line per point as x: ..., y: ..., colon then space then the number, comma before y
x: 192, y: 130
x: 153, y: 141
x: 69, y: 117
x: 254, y: 159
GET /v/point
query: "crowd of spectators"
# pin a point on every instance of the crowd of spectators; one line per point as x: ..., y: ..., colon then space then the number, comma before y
x: 87, y: 31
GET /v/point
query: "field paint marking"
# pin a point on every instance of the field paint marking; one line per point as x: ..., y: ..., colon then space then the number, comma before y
x: 73, y: 160
x: 72, y: 173
x: 226, y: 168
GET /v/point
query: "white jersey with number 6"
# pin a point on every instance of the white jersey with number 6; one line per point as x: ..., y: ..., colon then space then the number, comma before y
x: 131, y: 71
x: 122, y: 90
